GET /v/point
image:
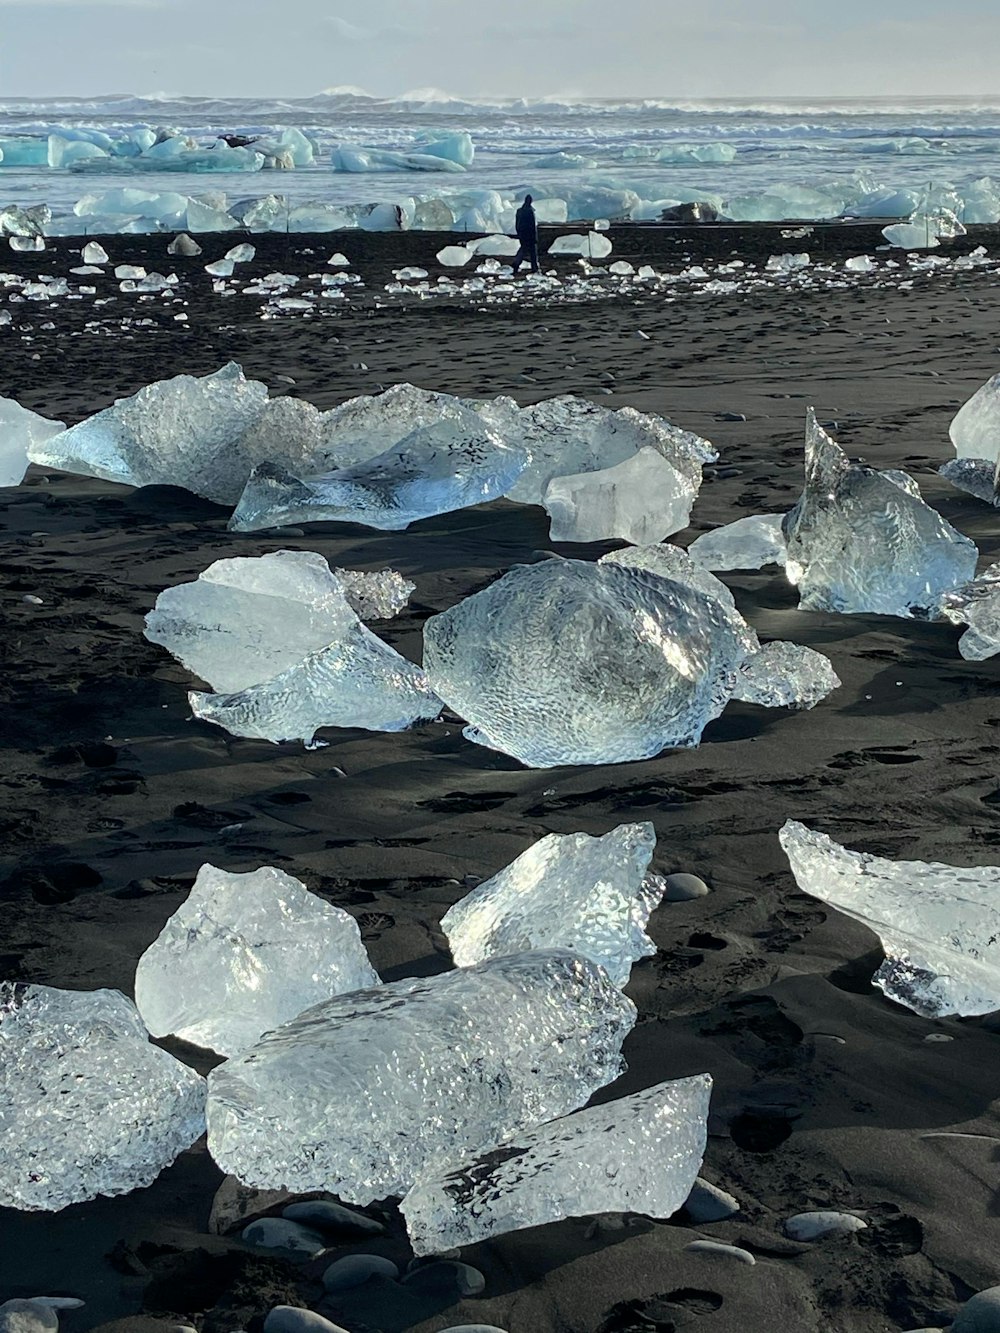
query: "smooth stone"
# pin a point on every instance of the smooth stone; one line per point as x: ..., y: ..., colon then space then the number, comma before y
x: 326, y: 1215
x: 276, y: 1233
x: 715, y: 1247
x: 980, y: 1313
x: 813, y: 1226
x: 354, y: 1269
x: 292, y: 1319
x: 707, y: 1203
x: 27, y: 1317
x: 682, y: 888
x: 447, y: 1275
x: 234, y: 1201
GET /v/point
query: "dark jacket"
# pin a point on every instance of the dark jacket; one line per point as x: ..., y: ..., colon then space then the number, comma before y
x: 525, y: 225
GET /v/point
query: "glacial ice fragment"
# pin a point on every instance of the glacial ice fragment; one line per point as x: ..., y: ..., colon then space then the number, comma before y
x: 975, y: 428
x: 434, y: 470
x: 184, y: 245
x: 858, y: 542
x: 94, y: 253
x: 276, y: 636
x: 379, y: 595
x: 643, y: 499
x: 977, y: 605
x: 748, y: 543
x: 976, y: 476
x: 591, y: 245
x: 21, y: 431
x: 364, y: 1093
x: 88, y: 1105
x: 939, y: 924
x: 244, y: 954
x: 640, y: 1154
x: 914, y: 235
x: 785, y: 675
x: 454, y: 256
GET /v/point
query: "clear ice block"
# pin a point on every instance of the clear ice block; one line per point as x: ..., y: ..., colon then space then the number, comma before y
x: 21, y: 431
x: 748, y: 543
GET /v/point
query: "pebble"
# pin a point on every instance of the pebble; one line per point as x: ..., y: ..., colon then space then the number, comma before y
x: 27, y: 1317
x: 292, y: 1319
x: 32, y: 600
x: 723, y: 472
x: 446, y: 1276
x: 979, y: 1314
x: 723, y: 1251
x: 355, y: 1269
x: 681, y: 888
x: 329, y: 1216
x: 938, y: 1036
x: 707, y: 1203
x: 275, y: 1233
x: 730, y: 416
x: 813, y: 1226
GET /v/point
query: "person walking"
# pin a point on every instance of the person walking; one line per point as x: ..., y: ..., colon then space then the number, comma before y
x: 526, y: 229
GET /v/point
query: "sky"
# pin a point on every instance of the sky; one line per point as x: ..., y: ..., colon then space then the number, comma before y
x: 528, y: 48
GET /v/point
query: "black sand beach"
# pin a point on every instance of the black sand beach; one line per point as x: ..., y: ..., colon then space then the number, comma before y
x: 826, y: 1094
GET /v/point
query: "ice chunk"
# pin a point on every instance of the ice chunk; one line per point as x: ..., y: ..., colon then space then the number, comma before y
x: 25, y: 221
x: 939, y: 924
x: 748, y: 543
x: 362, y: 1094
x: 65, y: 152
x: 860, y: 264
x: 976, y: 604
x: 25, y: 152
x: 94, y: 253
x: 88, y: 1106
x: 21, y: 431
x: 786, y: 264
x: 785, y: 675
x: 592, y: 245
x: 376, y: 596
x: 860, y: 543
x: 346, y: 157
x: 912, y: 235
x: 277, y: 637
x: 244, y: 954
x: 564, y: 662
x: 454, y: 256
x: 975, y: 428
x: 976, y: 476
x: 221, y: 268
x: 27, y: 244
x: 495, y: 245
x: 241, y: 254
x: 202, y: 217
x: 671, y: 562
x: 456, y: 147
x: 572, y: 891
x: 640, y: 1154
x: 643, y: 499
x: 434, y: 470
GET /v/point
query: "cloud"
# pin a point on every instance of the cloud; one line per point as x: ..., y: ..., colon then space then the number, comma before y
x: 353, y: 32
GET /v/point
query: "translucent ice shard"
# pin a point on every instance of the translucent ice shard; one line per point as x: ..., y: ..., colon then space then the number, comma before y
x: 592, y: 245
x: 976, y: 604
x: 643, y: 499
x: 88, y: 1106
x: 858, y: 542
x: 975, y: 428
x: 785, y: 675
x: 364, y: 427
x: 433, y: 471
x: 939, y: 924
x: 21, y: 431
x: 375, y: 596
x: 976, y: 476
x: 364, y: 1093
x: 749, y: 543
x: 572, y: 891
x: 244, y: 954
x: 279, y: 640
x: 640, y: 1154
x: 671, y: 562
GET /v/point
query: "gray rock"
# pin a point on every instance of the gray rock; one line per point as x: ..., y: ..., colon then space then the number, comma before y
x: 284, y: 1237
x: 814, y: 1226
x: 447, y: 1276
x: 354, y: 1269
x: 682, y: 888
x: 27, y: 1317
x: 980, y: 1314
x: 234, y: 1202
x: 291, y: 1319
x: 707, y: 1203
x: 716, y: 1248
x: 328, y: 1216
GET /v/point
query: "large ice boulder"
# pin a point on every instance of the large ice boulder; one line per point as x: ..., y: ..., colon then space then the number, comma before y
x: 591, y: 245
x: 939, y: 924
x: 244, y: 954
x: 21, y: 431
x: 859, y: 542
x: 640, y: 1154
x: 456, y: 147
x: 88, y: 1105
x: 642, y: 500
x: 363, y: 1094
x: 276, y: 636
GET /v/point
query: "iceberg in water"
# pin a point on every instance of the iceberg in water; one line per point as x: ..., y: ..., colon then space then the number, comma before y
x: 565, y: 662
x: 434, y: 470
x: 276, y: 637
x: 640, y: 1154
x: 590, y: 895
x: 346, y: 157
x: 363, y: 1094
x: 859, y: 542
x: 21, y: 432
x: 748, y: 543
x: 88, y: 1105
x: 939, y: 924
x: 244, y: 954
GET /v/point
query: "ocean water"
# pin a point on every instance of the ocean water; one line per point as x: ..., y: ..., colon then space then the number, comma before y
x: 842, y: 148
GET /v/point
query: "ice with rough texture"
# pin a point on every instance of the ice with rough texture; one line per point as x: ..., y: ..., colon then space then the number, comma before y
x: 21, y: 431
x: 976, y: 476
x: 591, y: 245
x: 277, y: 637
x: 434, y: 470
x: 975, y: 428
x: 939, y: 924
x: 643, y: 499
x: 94, y: 253
x: 748, y: 543
x: 977, y: 605
x: 565, y: 662
x: 858, y: 542
x: 365, y: 1093
x: 785, y: 675
x: 590, y: 895
x: 640, y: 1154
x: 244, y: 954
x: 378, y: 595
x: 88, y: 1105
